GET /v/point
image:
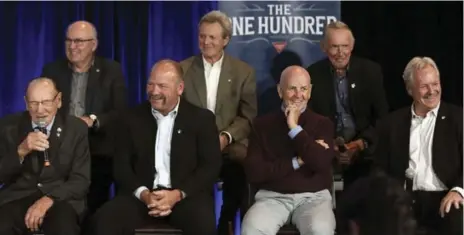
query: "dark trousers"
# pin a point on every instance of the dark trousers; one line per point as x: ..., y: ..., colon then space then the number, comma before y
x: 101, y: 180
x: 125, y: 213
x: 233, y: 191
x: 60, y: 219
x: 426, y: 210
x: 360, y: 167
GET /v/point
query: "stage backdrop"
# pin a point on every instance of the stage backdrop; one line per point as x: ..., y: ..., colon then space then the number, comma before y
x: 136, y: 34
x: 274, y: 34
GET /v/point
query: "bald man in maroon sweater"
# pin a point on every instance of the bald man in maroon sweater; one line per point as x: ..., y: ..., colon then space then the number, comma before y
x: 289, y: 160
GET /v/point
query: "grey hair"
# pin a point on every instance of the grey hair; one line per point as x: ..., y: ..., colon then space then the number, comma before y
x: 222, y: 19
x: 337, y: 25
x: 417, y: 63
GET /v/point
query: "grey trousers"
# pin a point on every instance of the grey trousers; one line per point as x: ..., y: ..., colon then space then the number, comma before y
x: 311, y: 213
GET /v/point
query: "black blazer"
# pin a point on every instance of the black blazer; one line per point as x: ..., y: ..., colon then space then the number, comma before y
x: 366, y: 94
x: 68, y: 176
x: 392, y: 152
x: 195, y: 150
x: 105, y: 97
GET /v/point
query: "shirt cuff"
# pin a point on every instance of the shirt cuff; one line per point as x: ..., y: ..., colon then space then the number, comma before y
x: 228, y: 135
x: 139, y: 191
x: 459, y: 190
x: 293, y: 132
x: 295, y: 164
x: 184, y: 195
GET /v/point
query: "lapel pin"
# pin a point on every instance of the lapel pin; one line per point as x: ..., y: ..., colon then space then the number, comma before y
x: 353, y: 85
x: 58, y: 132
x: 98, y: 70
x: 229, y: 80
x: 443, y: 117
x: 179, y: 131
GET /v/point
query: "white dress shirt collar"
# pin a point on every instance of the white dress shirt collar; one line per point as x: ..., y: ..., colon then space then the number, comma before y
x: 173, y: 112
x: 433, y: 111
x: 208, y: 64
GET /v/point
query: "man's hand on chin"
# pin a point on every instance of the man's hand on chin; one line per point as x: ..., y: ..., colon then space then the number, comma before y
x: 35, y: 214
x: 451, y: 198
x: 166, y: 199
x: 293, y: 112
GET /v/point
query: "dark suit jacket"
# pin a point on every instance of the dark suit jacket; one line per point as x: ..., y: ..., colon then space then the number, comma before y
x: 68, y: 176
x: 366, y: 94
x: 105, y: 97
x: 195, y: 152
x: 269, y: 160
x: 392, y: 152
x: 236, y: 104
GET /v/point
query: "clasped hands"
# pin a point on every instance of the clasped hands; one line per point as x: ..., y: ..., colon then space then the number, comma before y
x: 352, y: 149
x: 160, y: 203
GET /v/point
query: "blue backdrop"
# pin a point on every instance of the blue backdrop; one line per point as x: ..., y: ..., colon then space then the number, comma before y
x: 136, y: 34
x: 267, y: 34
x: 139, y: 33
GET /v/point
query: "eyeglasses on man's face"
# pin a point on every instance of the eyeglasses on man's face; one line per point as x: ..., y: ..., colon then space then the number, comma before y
x: 77, y: 41
x: 46, y: 103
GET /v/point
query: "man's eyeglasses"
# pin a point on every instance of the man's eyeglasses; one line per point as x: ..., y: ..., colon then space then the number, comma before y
x: 77, y: 41
x: 45, y: 103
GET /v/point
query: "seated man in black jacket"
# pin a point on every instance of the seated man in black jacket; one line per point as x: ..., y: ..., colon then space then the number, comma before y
x: 46, y: 172
x: 167, y: 161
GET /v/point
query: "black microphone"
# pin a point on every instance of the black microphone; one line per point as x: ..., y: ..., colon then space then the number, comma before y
x: 43, y: 128
x: 340, y: 143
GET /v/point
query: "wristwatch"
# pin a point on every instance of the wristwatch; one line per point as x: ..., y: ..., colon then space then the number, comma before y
x: 95, y: 120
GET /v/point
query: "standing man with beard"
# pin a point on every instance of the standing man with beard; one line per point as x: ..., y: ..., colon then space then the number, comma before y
x: 349, y: 90
x: 94, y: 90
x: 227, y: 87
x: 421, y: 146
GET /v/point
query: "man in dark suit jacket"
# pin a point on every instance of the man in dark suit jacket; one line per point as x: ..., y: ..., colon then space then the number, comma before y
x: 289, y: 161
x: 422, y: 147
x: 94, y: 90
x: 43, y: 189
x: 349, y: 91
x: 167, y: 162
x: 226, y: 86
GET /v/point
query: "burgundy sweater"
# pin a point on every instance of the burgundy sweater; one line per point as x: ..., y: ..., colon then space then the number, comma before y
x: 268, y: 164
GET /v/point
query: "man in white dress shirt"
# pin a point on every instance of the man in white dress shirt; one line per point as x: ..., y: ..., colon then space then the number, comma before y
x: 422, y: 146
x: 166, y: 164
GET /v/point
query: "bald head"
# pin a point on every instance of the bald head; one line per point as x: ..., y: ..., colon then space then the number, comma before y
x: 295, y: 86
x: 85, y: 27
x: 169, y: 66
x: 42, y: 100
x: 41, y: 83
x: 81, y: 44
x: 165, y: 86
x: 292, y: 72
